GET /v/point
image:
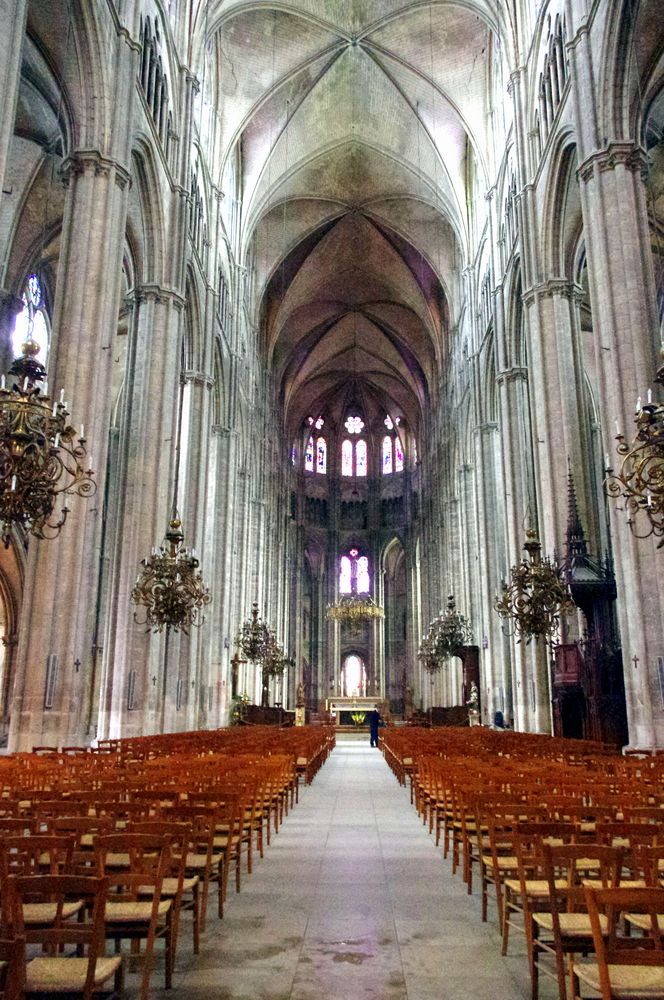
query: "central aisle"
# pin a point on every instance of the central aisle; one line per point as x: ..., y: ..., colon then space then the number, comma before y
x: 353, y: 901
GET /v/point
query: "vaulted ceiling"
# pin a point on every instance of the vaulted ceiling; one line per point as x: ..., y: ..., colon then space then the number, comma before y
x: 356, y: 125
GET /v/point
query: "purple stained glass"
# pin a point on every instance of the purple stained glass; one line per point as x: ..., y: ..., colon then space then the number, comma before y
x: 398, y: 456
x: 344, y: 575
x: 361, y: 458
x: 309, y: 456
x: 321, y: 455
x: 347, y: 458
x: 387, y: 455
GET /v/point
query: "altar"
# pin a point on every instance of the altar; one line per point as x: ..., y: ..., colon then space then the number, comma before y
x: 352, y: 704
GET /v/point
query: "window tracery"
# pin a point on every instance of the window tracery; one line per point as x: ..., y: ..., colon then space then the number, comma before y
x: 33, y: 320
x: 154, y: 83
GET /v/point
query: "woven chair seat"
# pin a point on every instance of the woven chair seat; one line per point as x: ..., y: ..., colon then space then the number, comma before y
x: 133, y: 911
x: 44, y: 913
x: 199, y: 861
x: 169, y: 886
x: 302, y: 761
x: 645, y: 982
x: 642, y: 920
x: 536, y: 887
x: 570, y: 923
x: 625, y: 883
x: 508, y: 861
x: 221, y: 840
x: 67, y: 975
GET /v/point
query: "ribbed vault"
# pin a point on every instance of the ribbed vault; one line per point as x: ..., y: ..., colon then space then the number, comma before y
x: 353, y: 132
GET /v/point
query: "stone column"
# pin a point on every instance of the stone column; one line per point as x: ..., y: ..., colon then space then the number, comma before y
x: 58, y: 613
x: 13, y: 15
x: 146, y: 467
x: 626, y: 340
x: 223, y: 627
x: 192, y: 501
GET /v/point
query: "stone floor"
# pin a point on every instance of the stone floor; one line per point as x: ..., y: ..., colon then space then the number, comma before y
x: 352, y: 902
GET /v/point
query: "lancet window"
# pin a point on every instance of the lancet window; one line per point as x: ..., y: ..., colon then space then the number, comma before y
x: 33, y: 321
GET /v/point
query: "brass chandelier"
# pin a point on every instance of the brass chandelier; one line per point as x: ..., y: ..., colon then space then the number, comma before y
x: 257, y: 640
x: 448, y: 633
x: 169, y: 586
x: 41, y: 456
x: 353, y: 609
x: 638, y: 486
x: 535, y: 596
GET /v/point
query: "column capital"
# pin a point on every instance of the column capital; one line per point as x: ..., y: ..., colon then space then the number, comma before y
x: 202, y: 379
x: 547, y: 289
x: 82, y: 160
x: 518, y: 373
x: 618, y: 153
x: 158, y: 293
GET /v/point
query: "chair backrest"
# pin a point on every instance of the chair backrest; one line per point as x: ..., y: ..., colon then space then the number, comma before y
x: 569, y: 866
x: 86, y: 933
x: 613, y: 947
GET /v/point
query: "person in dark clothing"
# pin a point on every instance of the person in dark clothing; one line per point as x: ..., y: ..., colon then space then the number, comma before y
x: 374, y: 723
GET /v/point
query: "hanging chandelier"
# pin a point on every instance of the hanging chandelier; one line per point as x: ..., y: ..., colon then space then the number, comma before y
x: 40, y: 456
x: 256, y: 639
x: 536, y: 595
x: 169, y: 587
x: 353, y: 609
x: 638, y: 486
x: 447, y: 635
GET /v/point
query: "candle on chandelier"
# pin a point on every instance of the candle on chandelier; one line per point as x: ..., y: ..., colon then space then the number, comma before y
x: 649, y: 396
x: 638, y: 405
x: 62, y: 395
x: 82, y: 434
x: 56, y: 443
x: 618, y: 434
x: 13, y: 484
x: 2, y: 382
x: 607, y: 461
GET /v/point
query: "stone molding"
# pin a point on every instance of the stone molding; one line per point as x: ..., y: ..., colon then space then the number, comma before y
x: 220, y: 430
x: 202, y: 379
x: 159, y: 294
x: 516, y: 374
x: 82, y: 160
x: 552, y: 286
x: 619, y: 153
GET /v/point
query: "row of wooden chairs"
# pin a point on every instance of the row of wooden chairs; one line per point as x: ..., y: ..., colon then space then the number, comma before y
x: 552, y: 833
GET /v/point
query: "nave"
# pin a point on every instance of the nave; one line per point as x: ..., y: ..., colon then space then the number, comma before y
x: 352, y: 902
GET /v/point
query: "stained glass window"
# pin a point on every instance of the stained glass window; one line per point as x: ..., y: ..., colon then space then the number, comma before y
x: 387, y: 454
x: 32, y: 321
x: 321, y: 455
x: 361, y: 458
x: 398, y: 456
x: 319, y: 423
x: 344, y: 575
x: 292, y: 455
x: 414, y: 447
x: 363, y: 582
x: 309, y: 456
x: 347, y: 458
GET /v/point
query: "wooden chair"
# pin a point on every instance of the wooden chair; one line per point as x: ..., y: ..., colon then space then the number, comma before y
x: 525, y: 893
x: 564, y: 930
x: 12, y: 968
x: 135, y: 910
x: 56, y: 972
x: 625, y: 967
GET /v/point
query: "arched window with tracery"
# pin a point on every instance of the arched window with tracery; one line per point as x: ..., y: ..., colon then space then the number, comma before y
x: 33, y: 320
x: 354, y: 575
x: 392, y: 459
x: 354, y: 452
